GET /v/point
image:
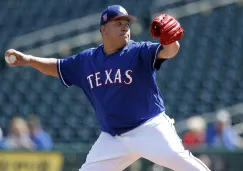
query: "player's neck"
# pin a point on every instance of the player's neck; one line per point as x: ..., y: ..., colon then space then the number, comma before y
x: 110, y: 48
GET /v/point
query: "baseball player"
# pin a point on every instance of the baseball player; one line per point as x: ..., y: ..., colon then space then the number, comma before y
x: 119, y: 79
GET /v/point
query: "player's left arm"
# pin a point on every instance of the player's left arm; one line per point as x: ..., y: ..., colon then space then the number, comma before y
x: 169, y: 51
x: 169, y: 30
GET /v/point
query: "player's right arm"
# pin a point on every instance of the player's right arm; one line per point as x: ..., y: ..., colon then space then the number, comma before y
x: 47, y: 66
x: 69, y: 70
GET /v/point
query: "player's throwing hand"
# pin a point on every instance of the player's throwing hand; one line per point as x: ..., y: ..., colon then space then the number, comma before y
x: 16, y: 58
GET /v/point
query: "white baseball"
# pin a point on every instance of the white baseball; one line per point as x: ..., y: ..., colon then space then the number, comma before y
x: 7, y: 59
x: 10, y: 59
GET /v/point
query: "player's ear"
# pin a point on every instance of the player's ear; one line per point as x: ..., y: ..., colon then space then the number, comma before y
x: 103, y: 30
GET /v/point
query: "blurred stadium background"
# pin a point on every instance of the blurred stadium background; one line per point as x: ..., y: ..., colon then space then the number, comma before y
x: 206, y: 76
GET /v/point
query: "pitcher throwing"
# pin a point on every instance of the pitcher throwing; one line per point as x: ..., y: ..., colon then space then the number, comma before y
x: 119, y: 79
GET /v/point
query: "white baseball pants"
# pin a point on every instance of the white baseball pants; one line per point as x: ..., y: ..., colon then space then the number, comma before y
x: 155, y: 140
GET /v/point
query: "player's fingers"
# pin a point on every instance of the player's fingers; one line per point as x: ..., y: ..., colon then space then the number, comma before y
x: 13, y: 64
x: 9, y: 52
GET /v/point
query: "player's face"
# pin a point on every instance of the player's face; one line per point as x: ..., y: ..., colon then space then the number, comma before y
x: 118, y: 31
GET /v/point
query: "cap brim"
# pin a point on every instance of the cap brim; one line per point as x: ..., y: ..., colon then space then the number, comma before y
x: 131, y: 18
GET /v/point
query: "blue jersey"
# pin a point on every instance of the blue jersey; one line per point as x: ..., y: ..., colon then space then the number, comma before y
x: 121, y: 87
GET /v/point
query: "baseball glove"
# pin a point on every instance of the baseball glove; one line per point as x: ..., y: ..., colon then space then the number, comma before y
x: 167, y: 28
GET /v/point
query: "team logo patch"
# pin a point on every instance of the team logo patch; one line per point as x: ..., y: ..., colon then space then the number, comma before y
x: 105, y: 17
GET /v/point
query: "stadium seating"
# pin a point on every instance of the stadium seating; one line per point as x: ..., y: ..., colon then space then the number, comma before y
x: 205, y: 75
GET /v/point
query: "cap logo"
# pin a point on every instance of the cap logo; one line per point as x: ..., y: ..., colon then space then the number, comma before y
x: 104, y: 17
x: 122, y: 10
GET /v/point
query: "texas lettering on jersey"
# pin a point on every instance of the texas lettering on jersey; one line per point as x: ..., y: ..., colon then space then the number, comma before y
x: 110, y: 76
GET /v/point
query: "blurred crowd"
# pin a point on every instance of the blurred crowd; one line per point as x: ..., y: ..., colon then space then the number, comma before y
x: 218, y: 134
x: 25, y: 135
x: 29, y: 135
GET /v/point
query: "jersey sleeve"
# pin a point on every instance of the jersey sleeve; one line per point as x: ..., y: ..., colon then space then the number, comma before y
x: 149, y: 52
x: 70, y: 70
